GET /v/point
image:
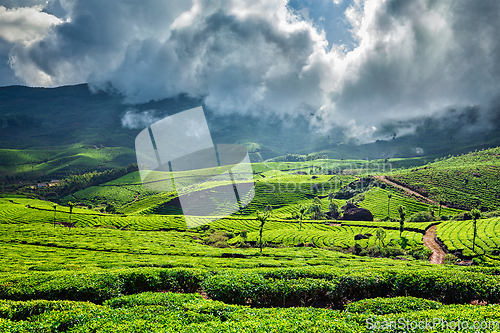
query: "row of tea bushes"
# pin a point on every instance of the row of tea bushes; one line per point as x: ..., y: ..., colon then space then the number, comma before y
x: 169, y: 312
x: 261, y: 287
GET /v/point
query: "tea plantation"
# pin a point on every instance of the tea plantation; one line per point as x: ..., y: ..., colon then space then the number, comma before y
x: 467, y: 181
x: 138, y: 268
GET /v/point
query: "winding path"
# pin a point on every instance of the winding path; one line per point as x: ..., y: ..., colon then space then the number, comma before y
x: 429, y: 239
x: 406, y: 189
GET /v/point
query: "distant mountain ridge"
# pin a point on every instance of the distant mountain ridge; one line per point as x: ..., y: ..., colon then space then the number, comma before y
x: 69, y: 118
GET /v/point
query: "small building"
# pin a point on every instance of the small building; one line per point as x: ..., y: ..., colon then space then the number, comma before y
x: 42, y: 185
x: 55, y: 181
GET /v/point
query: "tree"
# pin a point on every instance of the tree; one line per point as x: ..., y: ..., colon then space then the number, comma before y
x: 380, y: 234
x: 441, y: 203
x: 110, y: 209
x: 262, y: 217
x: 302, y: 212
x: 244, y: 235
x: 432, y: 210
x: 402, y: 215
x: 71, y: 205
x: 389, y: 196
x: 315, y: 209
x: 333, y: 209
x: 476, y: 214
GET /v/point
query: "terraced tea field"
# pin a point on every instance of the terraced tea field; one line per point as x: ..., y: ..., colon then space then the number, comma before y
x: 326, y: 236
x: 110, y: 260
x: 377, y: 201
x: 469, y: 181
x: 28, y: 211
x: 458, y: 235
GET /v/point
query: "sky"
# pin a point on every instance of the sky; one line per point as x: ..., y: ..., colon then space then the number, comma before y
x: 358, y: 64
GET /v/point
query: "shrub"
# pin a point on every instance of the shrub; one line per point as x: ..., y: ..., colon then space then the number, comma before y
x: 168, y: 299
x: 219, y: 239
x: 488, y: 215
x: 422, y: 216
x: 373, y: 251
x: 420, y: 252
x: 381, y: 252
x: 450, y: 259
x: 463, y: 216
x: 110, y: 209
x: 244, y: 234
x: 16, y: 310
x: 356, y: 249
x: 382, y: 306
x: 393, y: 251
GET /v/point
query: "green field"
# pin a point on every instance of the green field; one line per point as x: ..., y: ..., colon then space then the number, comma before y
x: 72, y: 159
x: 458, y: 235
x: 377, y: 201
x: 469, y: 181
x: 141, y: 269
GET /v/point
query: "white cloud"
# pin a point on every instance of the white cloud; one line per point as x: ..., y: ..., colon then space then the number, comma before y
x: 135, y: 119
x: 413, y: 57
x: 25, y: 24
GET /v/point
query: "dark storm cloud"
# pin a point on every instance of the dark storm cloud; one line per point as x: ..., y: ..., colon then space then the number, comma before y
x: 20, y: 26
x: 93, y: 39
x: 7, y: 77
x: 237, y: 63
x: 411, y: 58
x: 416, y: 58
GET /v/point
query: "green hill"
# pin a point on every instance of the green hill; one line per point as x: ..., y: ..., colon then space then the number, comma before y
x: 467, y: 181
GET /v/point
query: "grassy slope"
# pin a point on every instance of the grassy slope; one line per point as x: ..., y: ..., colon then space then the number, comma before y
x: 57, y: 163
x: 377, y: 201
x: 283, y: 190
x: 458, y: 235
x: 469, y: 181
x: 39, y: 260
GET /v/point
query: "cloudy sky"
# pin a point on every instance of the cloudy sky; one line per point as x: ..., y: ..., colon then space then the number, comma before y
x: 353, y: 63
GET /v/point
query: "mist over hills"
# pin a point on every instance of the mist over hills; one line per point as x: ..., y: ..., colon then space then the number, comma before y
x: 72, y: 118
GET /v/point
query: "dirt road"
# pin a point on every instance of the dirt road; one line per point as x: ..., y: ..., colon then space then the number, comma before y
x: 407, y: 190
x: 438, y: 254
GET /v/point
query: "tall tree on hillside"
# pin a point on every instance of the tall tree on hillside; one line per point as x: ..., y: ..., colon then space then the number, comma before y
x: 441, y: 203
x: 476, y: 214
x: 389, y: 196
x: 71, y: 205
x: 262, y: 217
x: 380, y: 234
x: 402, y: 215
x: 333, y: 209
x: 302, y: 212
x: 315, y: 209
